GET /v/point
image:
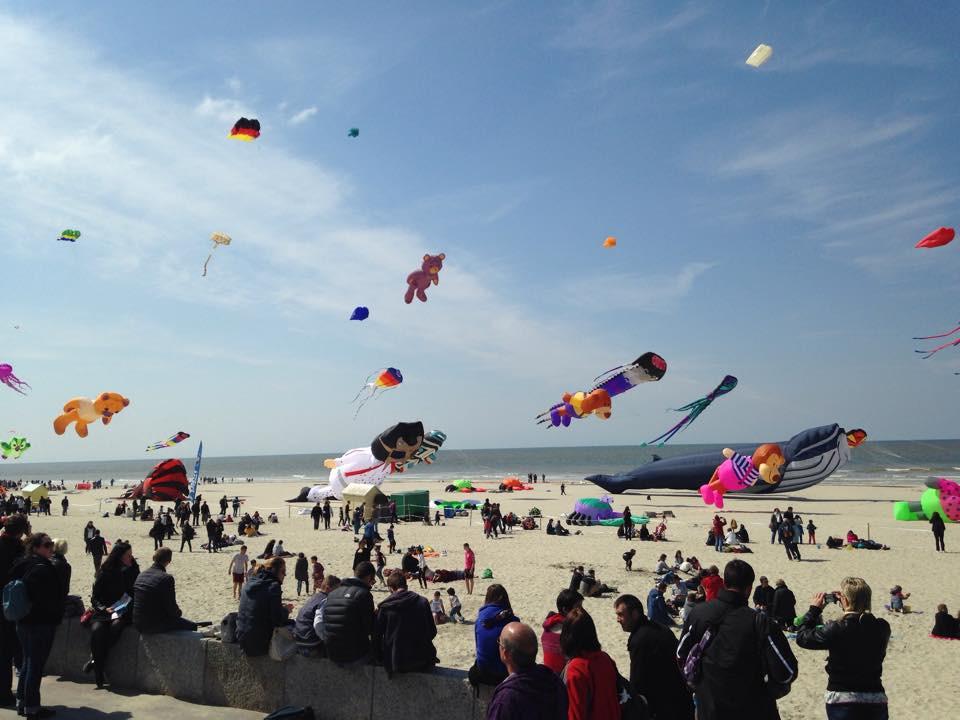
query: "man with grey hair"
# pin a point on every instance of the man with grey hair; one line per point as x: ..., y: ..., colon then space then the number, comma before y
x: 531, y: 691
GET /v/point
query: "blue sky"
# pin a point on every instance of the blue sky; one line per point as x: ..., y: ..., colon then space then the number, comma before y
x: 766, y: 218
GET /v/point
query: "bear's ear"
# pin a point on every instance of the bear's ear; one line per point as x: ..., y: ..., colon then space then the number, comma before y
x: 126, y: 401
x: 426, y: 257
x: 442, y: 256
x: 105, y: 397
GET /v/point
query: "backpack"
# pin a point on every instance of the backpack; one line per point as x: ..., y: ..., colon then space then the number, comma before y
x: 692, y: 670
x: 16, y: 601
x: 779, y: 672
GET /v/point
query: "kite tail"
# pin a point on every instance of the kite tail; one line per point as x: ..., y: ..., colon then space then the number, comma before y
x: 205, y: 264
x: 15, y: 383
x: 942, y: 335
x: 927, y: 354
x: 696, y: 407
x: 364, y: 401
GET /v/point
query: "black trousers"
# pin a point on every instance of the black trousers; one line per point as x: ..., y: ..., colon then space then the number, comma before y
x: 9, y: 656
x: 104, y: 636
x: 939, y: 541
x: 185, y: 541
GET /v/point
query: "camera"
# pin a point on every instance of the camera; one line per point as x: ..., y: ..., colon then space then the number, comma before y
x: 831, y: 597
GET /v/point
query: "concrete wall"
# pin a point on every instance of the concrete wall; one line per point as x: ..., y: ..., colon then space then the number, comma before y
x: 189, y: 667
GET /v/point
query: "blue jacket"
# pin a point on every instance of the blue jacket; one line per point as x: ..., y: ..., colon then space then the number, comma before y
x: 487, y: 631
x: 657, y: 608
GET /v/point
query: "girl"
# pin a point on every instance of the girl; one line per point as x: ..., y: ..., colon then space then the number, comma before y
x: 381, y: 564
x: 811, y: 533
x: 456, y: 613
x: 436, y: 607
x: 897, y: 596
x: 316, y: 572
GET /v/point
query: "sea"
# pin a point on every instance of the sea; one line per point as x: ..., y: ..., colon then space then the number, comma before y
x: 891, y: 461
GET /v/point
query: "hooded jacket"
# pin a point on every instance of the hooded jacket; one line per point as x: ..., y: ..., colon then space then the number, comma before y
x: 857, y: 645
x: 534, y: 693
x: 348, y: 621
x: 784, y: 605
x: 11, y: 550
x: 654, y: 672
x: 404, y: 632
x: 550, y: 641
x: 487, y: 633
x: 46, y: 592
x: 261, y: 610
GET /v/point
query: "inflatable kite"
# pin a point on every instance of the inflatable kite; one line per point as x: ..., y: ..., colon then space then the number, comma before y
x: 169, y: 442
x: 419, y: 280
x: 360, y: 313
x: 219, y: 239
x: 937, y: 238
x: 14, y: 448
x: 759, y: 56
x: 514, y: 483
x: 69, y: 235
x: 855, y: 438
x: 246, y: 130
x: 457, y: 504
x: 930, y: 353
x: 649, y: 367
x: 941, y: 496
x: 610, y: 242
x: 464, y: 486
x: 10, y: 380
x: 739, y: 472
x: 84, y: 411
x: 167, y: 482
x: 809, y: 457
x: 394, y: 450
x: 378, y: 382
x: 353, y: 132
x: 694, y: 409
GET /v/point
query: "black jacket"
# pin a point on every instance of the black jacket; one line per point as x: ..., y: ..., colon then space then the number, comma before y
x: 44, y: 589
x: 409, y: 564
x: 188, y: 533
x: 109, y: 587
x: 732, y: 682
x: 317, y: 512
x: 303, y: 629
x: 261, y: 610
x: 404, y: 632
x: 784, y: 606
x: 64, y: 571
x: 654, y: 672
x: 857, y: 645
x: 301, y: 570
x: 937, y: 525
x: 155, y: 608
x: 763, y: 596
x: 945, y: 625
x: 348, y: 621
x: 11, y: 550
x: 98, y: 546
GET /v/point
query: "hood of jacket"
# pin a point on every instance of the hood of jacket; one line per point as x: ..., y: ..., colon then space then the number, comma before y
x: 400, y: 601
x: 260, y: 583
x: 553, y: 620
x: 531, y: 688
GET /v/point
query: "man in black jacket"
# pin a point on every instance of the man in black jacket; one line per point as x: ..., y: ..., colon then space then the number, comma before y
x: 11, y: 550
x: 316, y: 513
x: 98, y: 548
x: 155, y: 608
x: 653, y: 666
x: 732, y: 679
x: 404, y: 632
x: 348, y: 617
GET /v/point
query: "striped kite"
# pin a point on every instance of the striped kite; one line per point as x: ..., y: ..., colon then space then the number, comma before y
x: 169, y: 442
x: 379, y: 381
x: 246, y: 130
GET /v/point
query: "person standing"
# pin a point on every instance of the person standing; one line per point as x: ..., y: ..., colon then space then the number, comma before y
x: 732, y: 681
x: 590, y: 674
x: 211, y: 526
x: 236, y: 506
x: 64, y: 505
x: 315, y: 514
x: 469, y: 567
x: 857, y: 645
x: 653, y: 666
x: 530, y: 691
x: 718, y: 523
x: 157, y: 532
x: 238, y: 570
x: 15, y: 526
x: 98, y: 548
x: 563, y: 488
x: 204, y: 512
x: 327, y: 513
x: 939, y: 529
x: 775, y: 520
x: 784, y: 607
x: 195, y: 511
x: 223, y: 505
x: 88, y: 536
x: 301, y: 573
x: 811, y: 533
x: 187, y: 533
x: 381, y: 562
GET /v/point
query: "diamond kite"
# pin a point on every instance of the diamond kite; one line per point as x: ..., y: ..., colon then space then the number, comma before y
x: 169, y: 442
x: 759, y: 56
x: 246, y: 130
x: 695, y: 408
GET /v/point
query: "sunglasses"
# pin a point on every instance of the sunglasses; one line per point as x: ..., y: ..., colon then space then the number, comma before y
x: 49, y: 544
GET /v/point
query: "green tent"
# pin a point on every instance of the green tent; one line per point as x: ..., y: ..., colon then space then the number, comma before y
x: 412, y: 504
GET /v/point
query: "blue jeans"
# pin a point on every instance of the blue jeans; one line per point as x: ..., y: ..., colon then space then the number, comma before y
x: 36, y: 642
x: 857, y: 711
x: 718, y: 543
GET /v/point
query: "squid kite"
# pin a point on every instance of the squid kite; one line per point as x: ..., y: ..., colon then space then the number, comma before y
x: 219, y: 239
x: 694, y: 409
x: 378, y: 382
x: 649, y: 367
x: 10, y: 380
x: 930, y: 353
x: 169, y: 442
x: 246, y: 130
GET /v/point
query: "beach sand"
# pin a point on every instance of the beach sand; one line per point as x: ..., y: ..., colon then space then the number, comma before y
x: 919, y: 672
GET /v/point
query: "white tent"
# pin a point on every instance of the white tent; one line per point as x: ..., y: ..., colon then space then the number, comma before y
x: 34, y: 491
x: 368, y: 495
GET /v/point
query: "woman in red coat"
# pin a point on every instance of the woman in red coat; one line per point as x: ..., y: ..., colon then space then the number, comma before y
x: 590, y: 674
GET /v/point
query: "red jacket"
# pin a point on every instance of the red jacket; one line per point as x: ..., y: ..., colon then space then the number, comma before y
x: 592, y: 687
x: 550, y: 641
x: 711, y: 585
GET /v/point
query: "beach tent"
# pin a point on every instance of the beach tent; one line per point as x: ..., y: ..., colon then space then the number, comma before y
x: 368, y: 495
x: 35, y: 491
x: 412, y: 504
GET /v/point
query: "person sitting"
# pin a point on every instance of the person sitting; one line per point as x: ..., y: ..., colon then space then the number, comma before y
x: 576, y: 578
x: 944, y: 624
x: 267, y: 551
x: 493, y: 616
x: 644, y: 534
x: 155, y: 608
x: 851, y: 537
x: 348, y: 616
x: 663, y: 567
x: 107, y: 599
x: 660, y: 534
x: 262, y: 608
x: 897, y: 596
x: 591, y: 587
x: 550, y: 530
x: 763, y: 595
x: 657, y: 606
x: 561, y: 530
x: 530, y: 690
x: 784, y: 608
x: 308, y: 627
x: 404, y: 630
x: 742, y: 535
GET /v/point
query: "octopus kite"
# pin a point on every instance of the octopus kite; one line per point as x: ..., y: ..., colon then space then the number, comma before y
x: 84, y: 411
x: 694, y: 409
x: 10, y: 380
x: 379, y: 381
x: 649, y: 367
x: 219, y: 239
x: 930, y: 353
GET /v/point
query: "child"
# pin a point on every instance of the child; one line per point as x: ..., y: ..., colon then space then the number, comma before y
x: 678, y: 559
x: 317, y: 571
x: 456, y: 614
x: 381, y: 563
x: 811, y: 533
x: 897, y: 596
x: 487, y: 527
x: 300, y: 573
x: 628, y: 558
x: 662, y: 567
x: 392, y: 540
x: 253, y: 569
x: 436, y: 607
x: 436, y: 518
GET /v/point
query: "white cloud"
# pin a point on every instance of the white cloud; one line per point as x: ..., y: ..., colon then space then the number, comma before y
x: 302, y: 116
x: 234, y: 83
x: 225, y: 109
x: 612, y: 26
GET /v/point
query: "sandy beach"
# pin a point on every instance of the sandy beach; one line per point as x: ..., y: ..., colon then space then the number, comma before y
x: 919, y: 671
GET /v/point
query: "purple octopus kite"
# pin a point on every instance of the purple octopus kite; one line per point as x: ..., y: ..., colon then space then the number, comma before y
x: 10, y: 380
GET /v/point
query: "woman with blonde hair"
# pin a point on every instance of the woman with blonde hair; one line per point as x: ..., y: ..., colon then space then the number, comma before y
x: 60, y: 564
x: 857, y: 645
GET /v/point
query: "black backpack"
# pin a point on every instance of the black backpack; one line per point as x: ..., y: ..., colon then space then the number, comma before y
x: 779, y: 671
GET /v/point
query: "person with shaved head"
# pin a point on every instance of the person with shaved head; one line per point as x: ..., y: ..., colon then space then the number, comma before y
x: 531, y: 691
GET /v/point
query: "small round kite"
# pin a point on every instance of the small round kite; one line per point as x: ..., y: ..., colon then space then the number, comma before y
x: 353, y: 132
x: 246, y: 130
x: 759, y: 56
x: 219, y: 239
x: 360, y: 313
x: 378, y: 382
x: 937, y: 238
x: 10, y: 380
x: 69, y: 235
x: 610, y: 242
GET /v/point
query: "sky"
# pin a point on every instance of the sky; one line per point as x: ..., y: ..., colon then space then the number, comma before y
x: 766, y: 218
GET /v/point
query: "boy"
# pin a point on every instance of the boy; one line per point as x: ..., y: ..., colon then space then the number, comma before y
x: 317, y: 572
x: 628, y: 558
x: 238, y: 569
x: 392, y: 540
x: 456, y: 614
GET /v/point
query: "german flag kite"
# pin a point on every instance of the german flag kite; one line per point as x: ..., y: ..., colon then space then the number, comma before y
x: 246, y: 130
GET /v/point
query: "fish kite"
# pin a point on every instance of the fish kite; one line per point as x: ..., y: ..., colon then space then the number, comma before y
x: 169, y: 442
x: 69, y: 235
x: 84, y: 411
x: 10, y: 380
x: 360, y: 313
x: 694, y: 409
x: 378, y: 382
x: 649, y: 367
x: 610, y: 242
x: 930, y: 353
x: 353, y: 132
x: 246, y: 130
x: 14, y: 448
x: 219, y: 239
x: 759, y: 56
x: 937, y: 238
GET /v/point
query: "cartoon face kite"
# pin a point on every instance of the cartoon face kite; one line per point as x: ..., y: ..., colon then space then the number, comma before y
x: 246, y: 130
x: 649, y: 367
x: 69, y: 235
x: 219, y: 239
x: 419, y: 280
x: 169, y: 442
x: 937, y: 238
x: 376, y: 383
x: 695, y: 408
x: 84, y: 411
x: 14, y: 448
x: 10, y: 380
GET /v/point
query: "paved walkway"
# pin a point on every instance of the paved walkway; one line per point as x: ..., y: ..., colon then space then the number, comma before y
x: 76, y: 701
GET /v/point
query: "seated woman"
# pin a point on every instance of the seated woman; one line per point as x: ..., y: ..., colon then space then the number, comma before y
x: 268, y: 550
x: 561, y: 530
x: 731, y: 538
x: 851, y: 537
x: 644, y: 533
x: 944, y: 624
x: 591, y: 587
x: 661, y: 532
x: 550, y: 528
x: 494, y: 614
x: 742, y: 535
